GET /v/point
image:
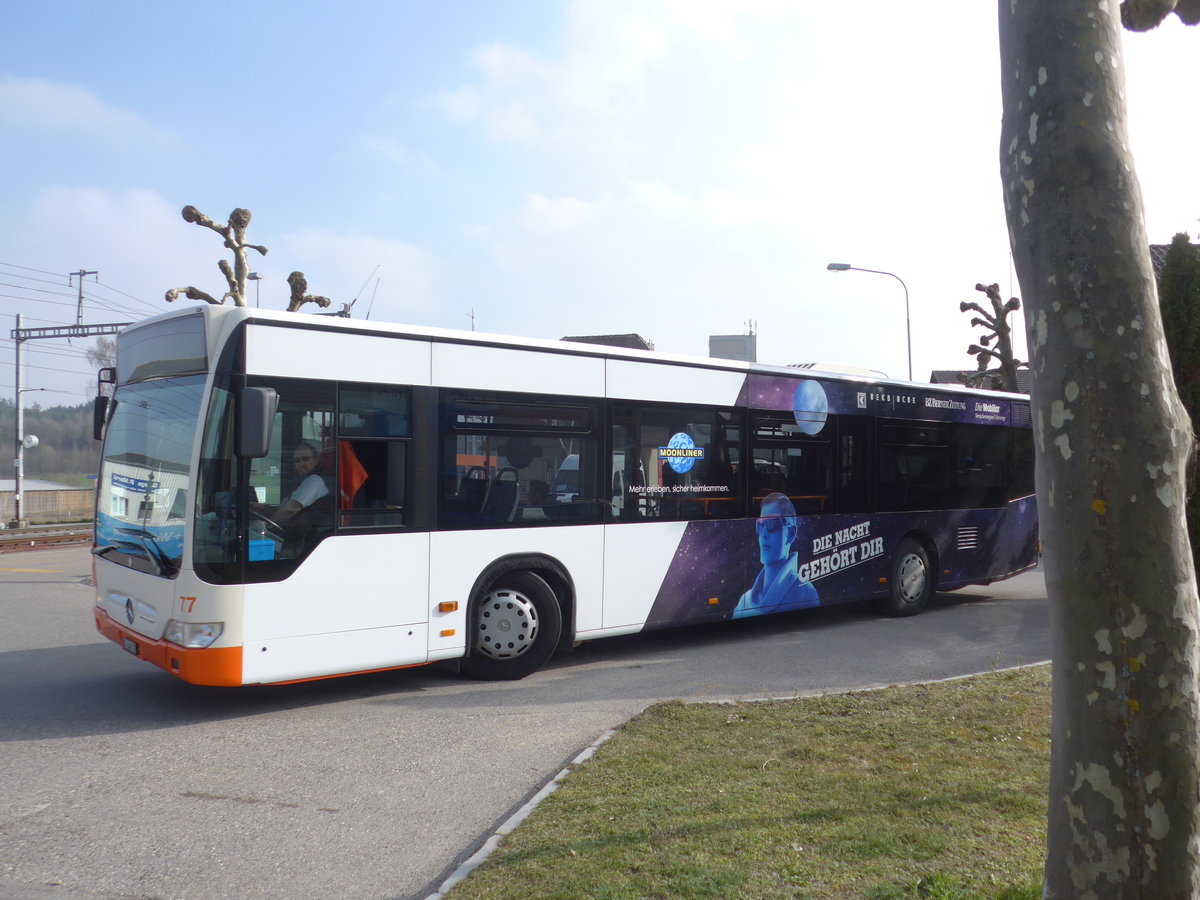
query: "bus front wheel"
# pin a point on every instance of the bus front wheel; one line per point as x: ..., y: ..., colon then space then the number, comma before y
x: 517, y: 625
x: 912, y: 580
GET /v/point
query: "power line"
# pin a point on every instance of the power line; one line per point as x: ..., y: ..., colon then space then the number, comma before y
x: 38, y: 290
x: 28, y: 268
x: 29, y: 278
x: 86, y: 396
x: 145, y: 303
x: 102, y: 302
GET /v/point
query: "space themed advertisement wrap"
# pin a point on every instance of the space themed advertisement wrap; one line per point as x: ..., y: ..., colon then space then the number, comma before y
x: 812, y: 401
x: 781, y: 561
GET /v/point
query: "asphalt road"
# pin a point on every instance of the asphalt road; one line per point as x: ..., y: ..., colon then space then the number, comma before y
x: 118, y: 781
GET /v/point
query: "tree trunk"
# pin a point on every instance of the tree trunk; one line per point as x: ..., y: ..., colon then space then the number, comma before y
x: 1112, y: 448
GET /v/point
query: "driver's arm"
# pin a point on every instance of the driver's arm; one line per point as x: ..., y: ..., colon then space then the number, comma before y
x: 286, y: 511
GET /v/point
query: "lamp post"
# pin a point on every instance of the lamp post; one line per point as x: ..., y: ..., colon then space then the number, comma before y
x: 256, y: 278
x: 24, y: 442
x: 846, y: 267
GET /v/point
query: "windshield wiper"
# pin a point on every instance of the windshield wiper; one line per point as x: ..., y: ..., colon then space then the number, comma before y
x: 152, y: 550
x: 131, y: 551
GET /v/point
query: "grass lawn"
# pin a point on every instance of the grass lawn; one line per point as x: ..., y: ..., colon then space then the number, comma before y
x: 933, y: 791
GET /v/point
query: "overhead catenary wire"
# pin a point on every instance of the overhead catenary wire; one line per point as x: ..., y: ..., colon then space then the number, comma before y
x: 30, y: 288
x: 143, y: 307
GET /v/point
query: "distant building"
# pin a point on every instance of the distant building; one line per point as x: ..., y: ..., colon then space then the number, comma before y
x: 1158, y: 256
x: 46, y: 501
x: 734, y: 346
x: 628, y: 341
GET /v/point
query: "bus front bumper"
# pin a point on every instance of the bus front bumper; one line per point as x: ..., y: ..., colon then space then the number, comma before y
x: 218, y: 666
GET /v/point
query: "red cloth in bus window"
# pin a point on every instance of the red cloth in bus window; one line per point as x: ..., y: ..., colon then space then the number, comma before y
x: 351, y: 474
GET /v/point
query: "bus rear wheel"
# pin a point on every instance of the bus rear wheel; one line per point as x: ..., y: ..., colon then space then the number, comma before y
x: 516, y: 628
x: 912, y: 580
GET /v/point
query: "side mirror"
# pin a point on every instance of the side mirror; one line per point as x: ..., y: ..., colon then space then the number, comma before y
x: 106, y: 375
x: 256, y: 415
x: 99, y: 416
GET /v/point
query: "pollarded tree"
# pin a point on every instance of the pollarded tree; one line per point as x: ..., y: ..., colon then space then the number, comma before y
x: 233, y: 234
x: 1113, y: 443
x: 996, y: 328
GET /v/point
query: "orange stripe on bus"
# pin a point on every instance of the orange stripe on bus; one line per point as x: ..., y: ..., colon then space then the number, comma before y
x: 346, y: 674
x: 218, y: 666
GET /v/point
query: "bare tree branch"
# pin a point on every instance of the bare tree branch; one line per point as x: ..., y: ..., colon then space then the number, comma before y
x: 299, y: 284
x: 234, y: 234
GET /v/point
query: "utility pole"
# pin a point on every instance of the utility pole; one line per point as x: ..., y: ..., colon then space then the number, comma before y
x: 79, y: 310
x: 19, y: 455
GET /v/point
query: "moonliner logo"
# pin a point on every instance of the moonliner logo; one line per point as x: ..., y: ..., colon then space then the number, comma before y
x: 681, y: 452
x: 942, y: 403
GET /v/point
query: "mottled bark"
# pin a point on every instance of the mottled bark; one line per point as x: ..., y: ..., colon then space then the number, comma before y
x: 1112, y: 445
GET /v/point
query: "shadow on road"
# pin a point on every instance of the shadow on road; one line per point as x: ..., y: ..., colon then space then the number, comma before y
x: 94, y: 689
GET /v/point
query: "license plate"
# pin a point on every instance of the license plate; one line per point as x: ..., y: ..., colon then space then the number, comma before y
x: 130, y: 645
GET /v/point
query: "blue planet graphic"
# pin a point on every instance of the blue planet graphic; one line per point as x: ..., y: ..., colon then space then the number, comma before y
x: 810, y: 406
x: 681, y: 441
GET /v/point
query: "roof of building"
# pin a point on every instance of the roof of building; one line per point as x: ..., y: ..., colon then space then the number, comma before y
x: 629, y: 341
x: 1158, y: 256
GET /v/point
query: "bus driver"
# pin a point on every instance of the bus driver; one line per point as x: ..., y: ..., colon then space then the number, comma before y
x: 312, y: 485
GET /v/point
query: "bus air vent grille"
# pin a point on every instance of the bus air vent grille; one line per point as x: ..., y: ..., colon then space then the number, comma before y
x: 968, y: 538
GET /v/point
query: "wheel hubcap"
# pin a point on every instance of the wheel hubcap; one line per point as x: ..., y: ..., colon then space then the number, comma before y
x: 508, y: 624
x: 912, y: 578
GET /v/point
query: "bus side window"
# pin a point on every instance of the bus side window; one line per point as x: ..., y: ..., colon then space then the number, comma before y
x: 915, y: 466
x: 789, y: 461
x: 302, y: 433
x: 512, y: 460
x: 372, y: 456
x: 983, y: 464
x: 675, y: 462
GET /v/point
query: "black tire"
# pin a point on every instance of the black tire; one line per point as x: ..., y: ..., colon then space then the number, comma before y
x: 516, y: 628
x: 912, y: 580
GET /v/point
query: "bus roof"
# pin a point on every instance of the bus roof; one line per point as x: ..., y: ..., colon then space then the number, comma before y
x: 224, y: 318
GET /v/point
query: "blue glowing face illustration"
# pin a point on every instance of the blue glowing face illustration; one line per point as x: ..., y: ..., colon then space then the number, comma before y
x: 810, y: 406
x: 776, y: 528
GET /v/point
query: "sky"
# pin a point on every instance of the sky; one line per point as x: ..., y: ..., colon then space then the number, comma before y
x: 674, y: 168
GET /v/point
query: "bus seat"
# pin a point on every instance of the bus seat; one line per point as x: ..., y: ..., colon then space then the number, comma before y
x: 472, y: 490
x: 503, y: 497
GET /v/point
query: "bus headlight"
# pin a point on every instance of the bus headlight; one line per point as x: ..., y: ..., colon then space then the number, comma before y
x: 194, y: 635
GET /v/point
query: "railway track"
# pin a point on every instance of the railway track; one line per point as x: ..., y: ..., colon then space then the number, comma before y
x: 39, y: 536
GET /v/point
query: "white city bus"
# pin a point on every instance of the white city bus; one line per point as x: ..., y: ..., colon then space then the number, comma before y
x: 701, y: 490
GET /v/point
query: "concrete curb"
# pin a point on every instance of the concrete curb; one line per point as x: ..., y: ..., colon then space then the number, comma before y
x: 474, y: 861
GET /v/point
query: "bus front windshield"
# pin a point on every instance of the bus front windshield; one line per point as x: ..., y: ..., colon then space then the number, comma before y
x: 142, y: 499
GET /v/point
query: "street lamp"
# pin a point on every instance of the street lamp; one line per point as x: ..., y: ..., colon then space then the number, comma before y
x: 24, y: 442
x: 256, y: 278
x: 846, y: 267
